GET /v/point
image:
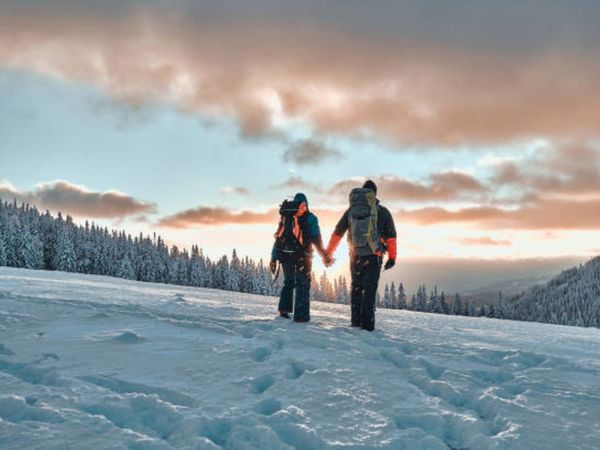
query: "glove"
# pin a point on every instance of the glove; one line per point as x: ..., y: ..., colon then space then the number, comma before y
x: 389, y: 264
x: 273, y: 266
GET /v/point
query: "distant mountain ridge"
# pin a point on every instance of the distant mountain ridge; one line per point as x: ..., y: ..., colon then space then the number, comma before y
x: 508, y: 288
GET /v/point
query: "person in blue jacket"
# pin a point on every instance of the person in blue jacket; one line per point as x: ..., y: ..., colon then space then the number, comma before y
x: 297, y: 271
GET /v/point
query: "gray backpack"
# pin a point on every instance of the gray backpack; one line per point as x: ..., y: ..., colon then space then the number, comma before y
x: 363, y: 233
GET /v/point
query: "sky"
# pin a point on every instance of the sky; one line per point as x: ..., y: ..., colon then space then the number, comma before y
x: 194, y: 119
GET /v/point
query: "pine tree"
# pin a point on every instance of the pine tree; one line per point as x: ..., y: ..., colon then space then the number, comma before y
x: 126, y: 269
x: 401, y: 297
x: 443, y: 305
x: 457, y: 307
x: 385, y: 302
x: 393, y: 297
x: 64, y: 252
x: 2, y: 250
x: 29, y: 248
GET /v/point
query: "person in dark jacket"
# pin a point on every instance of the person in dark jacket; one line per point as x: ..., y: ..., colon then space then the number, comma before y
x: 297, y: 272
x: 365, y: 267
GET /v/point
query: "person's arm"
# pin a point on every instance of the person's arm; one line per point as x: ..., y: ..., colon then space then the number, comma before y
x: 274, y: 252
x: 315, y: 234
x: 389, y: 235
x: 338, y: 233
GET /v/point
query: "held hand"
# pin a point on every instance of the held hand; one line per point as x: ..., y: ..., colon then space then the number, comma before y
x: 273, y: 266
x: 328, y: 260
x: 389, y: 264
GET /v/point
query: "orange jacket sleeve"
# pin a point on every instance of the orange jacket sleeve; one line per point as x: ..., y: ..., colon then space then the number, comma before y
x: 392, y: 249
x: 334, y: 241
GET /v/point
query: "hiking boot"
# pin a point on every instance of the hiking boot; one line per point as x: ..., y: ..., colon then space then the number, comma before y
x: 284, y: 314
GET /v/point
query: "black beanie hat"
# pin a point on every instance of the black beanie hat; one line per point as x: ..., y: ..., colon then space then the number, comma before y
x: 370, y: 184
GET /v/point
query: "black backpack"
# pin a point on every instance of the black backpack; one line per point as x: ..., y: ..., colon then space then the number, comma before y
x: 289, y: 238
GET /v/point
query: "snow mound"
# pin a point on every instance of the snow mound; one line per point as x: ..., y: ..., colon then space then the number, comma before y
x: 104, y: 363
x: 128, y: 337
x: 119, y: 337
x: 5, y: 351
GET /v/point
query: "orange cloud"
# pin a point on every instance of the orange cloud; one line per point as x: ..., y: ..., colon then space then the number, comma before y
x: 384, y: 72
x: 441, y: 186
x: 78, y: 200
x: 484, y: 240
x: 210, y: 216
x: 541, y: 215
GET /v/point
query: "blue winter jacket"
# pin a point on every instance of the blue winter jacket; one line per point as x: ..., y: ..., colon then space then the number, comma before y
x: 311, y: 227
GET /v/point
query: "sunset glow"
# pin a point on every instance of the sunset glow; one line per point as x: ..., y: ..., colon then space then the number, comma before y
x: 195, y: 123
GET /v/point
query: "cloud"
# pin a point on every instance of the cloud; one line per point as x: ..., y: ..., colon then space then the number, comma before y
x: 296, y: 183
x: 569, y: 168
x: 484, y: 240
x: 489, y: 72
x: 239, y: 190
x: 78, y: 200
x: 221, y: 215
x: 440, y: 186
x: 539, y: 215
x: 309, y: 151
x: 214, y: 216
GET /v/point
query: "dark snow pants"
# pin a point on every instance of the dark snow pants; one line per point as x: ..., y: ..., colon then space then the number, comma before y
x: 296, y: 276
x: 365, y: 271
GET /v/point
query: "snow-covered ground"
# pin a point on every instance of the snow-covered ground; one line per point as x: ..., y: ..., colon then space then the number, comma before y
x: 95, y: 362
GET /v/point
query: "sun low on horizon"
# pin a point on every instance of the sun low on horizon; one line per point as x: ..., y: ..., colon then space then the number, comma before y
x: 195, y: 120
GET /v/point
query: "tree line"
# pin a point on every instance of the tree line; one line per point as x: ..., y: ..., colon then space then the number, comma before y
x: 34, y: 240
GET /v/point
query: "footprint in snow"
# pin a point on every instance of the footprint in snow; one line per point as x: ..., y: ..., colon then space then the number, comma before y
x: 246, y: 332
x: 5, y: 351
x: 262, y: 383
x: 260, y: 354
x: 295, y: 370
x: 268, y: 406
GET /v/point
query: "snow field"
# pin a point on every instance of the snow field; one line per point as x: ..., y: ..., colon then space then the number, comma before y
x: 97, y: 362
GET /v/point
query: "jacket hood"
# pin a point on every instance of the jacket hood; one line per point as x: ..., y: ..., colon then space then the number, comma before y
x: 301, y: 197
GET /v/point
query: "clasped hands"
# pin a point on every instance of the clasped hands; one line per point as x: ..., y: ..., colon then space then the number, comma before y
x: 328, y: 261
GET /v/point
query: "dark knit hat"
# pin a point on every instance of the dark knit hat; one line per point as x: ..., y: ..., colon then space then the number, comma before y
x: 370, y: 184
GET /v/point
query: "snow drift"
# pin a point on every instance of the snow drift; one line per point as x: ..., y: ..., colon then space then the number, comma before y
x: 98, y: 362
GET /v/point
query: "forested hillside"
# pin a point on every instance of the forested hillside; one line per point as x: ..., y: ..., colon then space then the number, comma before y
x: 571, y: 298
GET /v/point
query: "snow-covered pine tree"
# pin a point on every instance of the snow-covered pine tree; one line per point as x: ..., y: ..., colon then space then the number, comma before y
x: 434, y: 305
x: 443, y: 304
x: 2, y: 249
x: 184, y: 268
x: 393, y: 297
x: 63, y: 255
x: 173, y: 265
x: 421, y: 299
x: 401, y: 297
x: 471, y: 309
x: 385, y: 300
x: 126, y: 269
x: 235, y: 272
x: 457, y: 306
x: 30, y: 254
